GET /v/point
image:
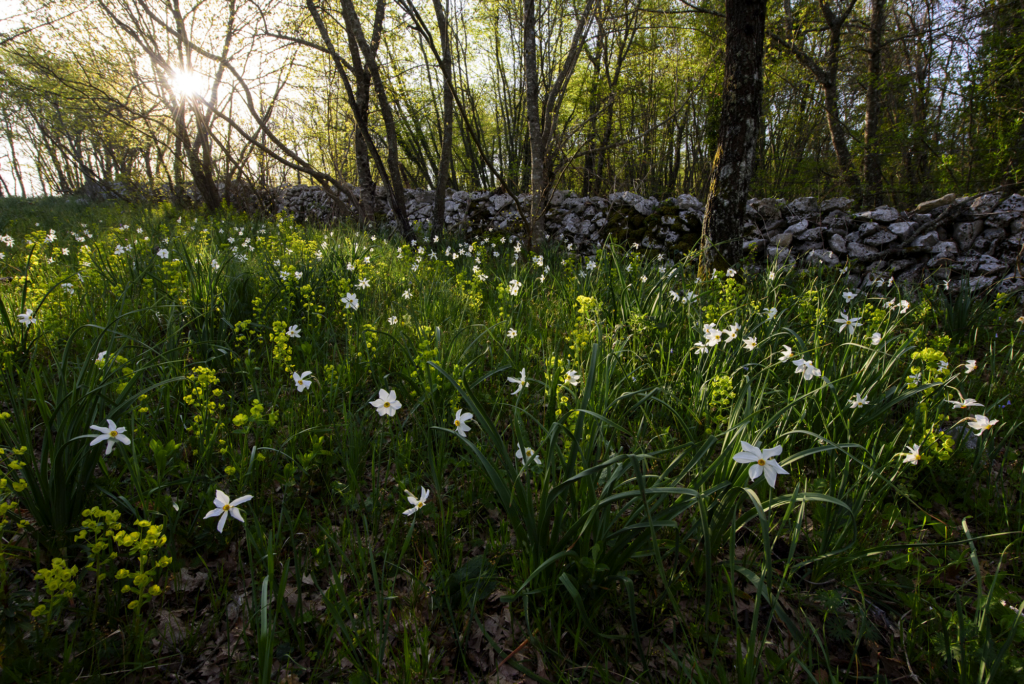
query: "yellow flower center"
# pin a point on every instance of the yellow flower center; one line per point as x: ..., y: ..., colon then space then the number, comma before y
x: 760, y: 461
x: 387, y: 404
x: 113, y: 433
x: 227, y: 507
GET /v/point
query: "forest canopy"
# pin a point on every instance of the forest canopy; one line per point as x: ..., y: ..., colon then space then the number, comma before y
x: 892, y: 101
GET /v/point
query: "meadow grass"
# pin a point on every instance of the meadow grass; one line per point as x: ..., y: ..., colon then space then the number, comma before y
x: 603, y: 518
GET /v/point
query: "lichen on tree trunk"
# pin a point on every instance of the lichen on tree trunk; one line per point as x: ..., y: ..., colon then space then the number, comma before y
x: 737, y: 134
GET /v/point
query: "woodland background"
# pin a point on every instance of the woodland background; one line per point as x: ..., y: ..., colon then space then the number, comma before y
x: 887, y: 101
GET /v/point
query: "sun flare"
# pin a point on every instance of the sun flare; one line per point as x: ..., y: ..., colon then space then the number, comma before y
x: 188, y: 83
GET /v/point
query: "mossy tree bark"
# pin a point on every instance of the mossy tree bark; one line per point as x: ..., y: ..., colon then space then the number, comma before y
x: 737, y: 134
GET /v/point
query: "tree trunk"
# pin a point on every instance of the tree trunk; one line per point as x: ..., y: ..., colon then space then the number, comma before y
x: 444, y: 165
x: 737, y: 133
x: 361, y: 114
x: 538, y: 165
x: 593, y: 112
x: 872, y: 158
x: 201, y: 174
x: 830, y: 85
x: 838, y: 137
x: 15, y: 167
x: 369, y: 53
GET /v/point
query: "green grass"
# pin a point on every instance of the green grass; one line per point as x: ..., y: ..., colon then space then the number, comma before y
x: 633, y: 548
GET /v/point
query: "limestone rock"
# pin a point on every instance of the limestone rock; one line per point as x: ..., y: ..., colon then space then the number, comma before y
x: 882, y: 237
x: 882, y: 214
x: 945, y: 248
x: 926, y: 241
x: 838, y: 220
x: 903, y: 228
x: 822, y: 256
x: 986, y: 204
x: 798, y: 227
x: 966, y: 233
x: 803, y: 206
x: 840, y: 203
x: 868, y: 229
x: 1010, y: 285
x: 989, y: 265
x: 858, y: 251
x: 811, y: 234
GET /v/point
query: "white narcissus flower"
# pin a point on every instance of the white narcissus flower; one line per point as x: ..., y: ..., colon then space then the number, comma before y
x: 849, y: 296
x: 904, y: 306
x: 417, y: 503
x: 732, y: 331
x: 393, y: 320
x: 858, y: 401
x: 407, y: 295
x: 847, y: 323
x: 363, y: 284
x: 301, y: 383
x: 386, y: 403
x: 110, y: 434
x: 981, y: 424
x: 572, y: 378
x: 102, y: 355
x: 350, y: 301
x: 876, y: 338
x: 964, y: 403
x: 163, y: 253
x: 294, y: 332
x: 520, y: 382
x: 224, y: 507
x: 27, y: 318
x: 912, y: 455
x: 675, y: 296
x: 771, y: 313
x: 761, y: 462
x: 731, y: 273
x: 511, y: 333
x: 1020, y: 319
x: 513, y: 287
x: 527, y: 455
x: 970, y: 366
x: 750, y: 343
x: 712, y: 336
x: 806, y: 369
x: 700, y: 348
x: 461, y: 422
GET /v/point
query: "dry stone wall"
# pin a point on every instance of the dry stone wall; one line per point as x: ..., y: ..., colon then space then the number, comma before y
x: 978, y: 237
